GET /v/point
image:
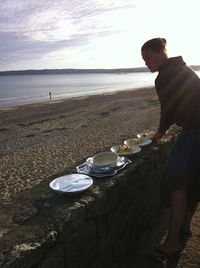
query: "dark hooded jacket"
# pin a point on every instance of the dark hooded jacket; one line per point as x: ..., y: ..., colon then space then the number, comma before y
x: 178, y: 89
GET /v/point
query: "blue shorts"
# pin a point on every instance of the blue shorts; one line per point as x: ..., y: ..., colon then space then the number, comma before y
x: 182, y: 169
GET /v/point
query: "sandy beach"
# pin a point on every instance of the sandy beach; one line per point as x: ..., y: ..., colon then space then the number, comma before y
x: 46, y: 139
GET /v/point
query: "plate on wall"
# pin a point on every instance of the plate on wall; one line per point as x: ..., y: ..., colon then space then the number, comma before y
x: 103, y: 159
x: 124, y: 149
x: 103, y: 171
x: 71, y: 183
x: 142, y: 141
x: 147, y: 134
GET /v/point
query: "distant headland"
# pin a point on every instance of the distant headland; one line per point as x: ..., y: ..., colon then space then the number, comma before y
x: 82, y: 71
x: 73, y: 71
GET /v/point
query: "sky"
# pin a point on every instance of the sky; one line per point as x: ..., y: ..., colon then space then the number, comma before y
x: 54, y: 34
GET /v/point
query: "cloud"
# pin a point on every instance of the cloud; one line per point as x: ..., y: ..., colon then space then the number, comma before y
x: 49, y: 15
x: 16, y: 46
x: 30, y: 30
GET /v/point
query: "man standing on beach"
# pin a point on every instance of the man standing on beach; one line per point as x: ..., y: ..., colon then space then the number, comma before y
x: 178, y: 89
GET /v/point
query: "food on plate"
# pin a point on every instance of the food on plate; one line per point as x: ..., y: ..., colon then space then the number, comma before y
x: 140, y: 141
x: 123, y: 149
x: 135, y: 141
x: 147, y: 134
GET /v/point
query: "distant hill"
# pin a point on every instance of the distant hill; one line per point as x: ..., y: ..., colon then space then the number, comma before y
x: 73, y: 71
x: 195, y: 67
x: 82, y: 71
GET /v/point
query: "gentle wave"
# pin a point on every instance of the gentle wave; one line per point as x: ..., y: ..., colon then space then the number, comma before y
x: 21, y: 97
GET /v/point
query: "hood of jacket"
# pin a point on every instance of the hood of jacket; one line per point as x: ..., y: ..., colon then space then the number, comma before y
x: 173, y: 62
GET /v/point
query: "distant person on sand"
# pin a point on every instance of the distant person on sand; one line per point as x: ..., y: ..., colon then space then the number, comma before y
x: 178, y: 89
x: 50, y: 95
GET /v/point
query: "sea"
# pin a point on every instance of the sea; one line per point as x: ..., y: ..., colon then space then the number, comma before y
x: 17, y: 90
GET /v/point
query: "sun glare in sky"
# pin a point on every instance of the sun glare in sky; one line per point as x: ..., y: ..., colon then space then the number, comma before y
x: 94, y: 33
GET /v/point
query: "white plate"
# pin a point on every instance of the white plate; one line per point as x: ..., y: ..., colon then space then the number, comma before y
x: 143, y: 142
x: 71, y: 183
x: 133, y: 150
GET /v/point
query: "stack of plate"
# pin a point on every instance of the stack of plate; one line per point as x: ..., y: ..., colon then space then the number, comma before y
x: 103, y: 164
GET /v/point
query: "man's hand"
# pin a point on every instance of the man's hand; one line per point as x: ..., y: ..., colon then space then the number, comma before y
x: 157, y: 136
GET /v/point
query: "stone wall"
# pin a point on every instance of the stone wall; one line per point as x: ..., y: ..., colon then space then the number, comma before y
x: 97, y: 228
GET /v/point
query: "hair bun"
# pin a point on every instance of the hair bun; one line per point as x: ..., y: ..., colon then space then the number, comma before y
x: 164, y: 41
x: 156, y: 44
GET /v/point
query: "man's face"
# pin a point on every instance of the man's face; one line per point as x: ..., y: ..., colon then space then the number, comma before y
x: 152, y: 60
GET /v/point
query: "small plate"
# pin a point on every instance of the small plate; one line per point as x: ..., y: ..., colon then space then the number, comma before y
x: 71, y: 183
x: 142, y: 141
x: 124, y: 150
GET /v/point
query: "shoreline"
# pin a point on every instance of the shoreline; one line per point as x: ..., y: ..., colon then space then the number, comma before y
x: 57, y: 99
